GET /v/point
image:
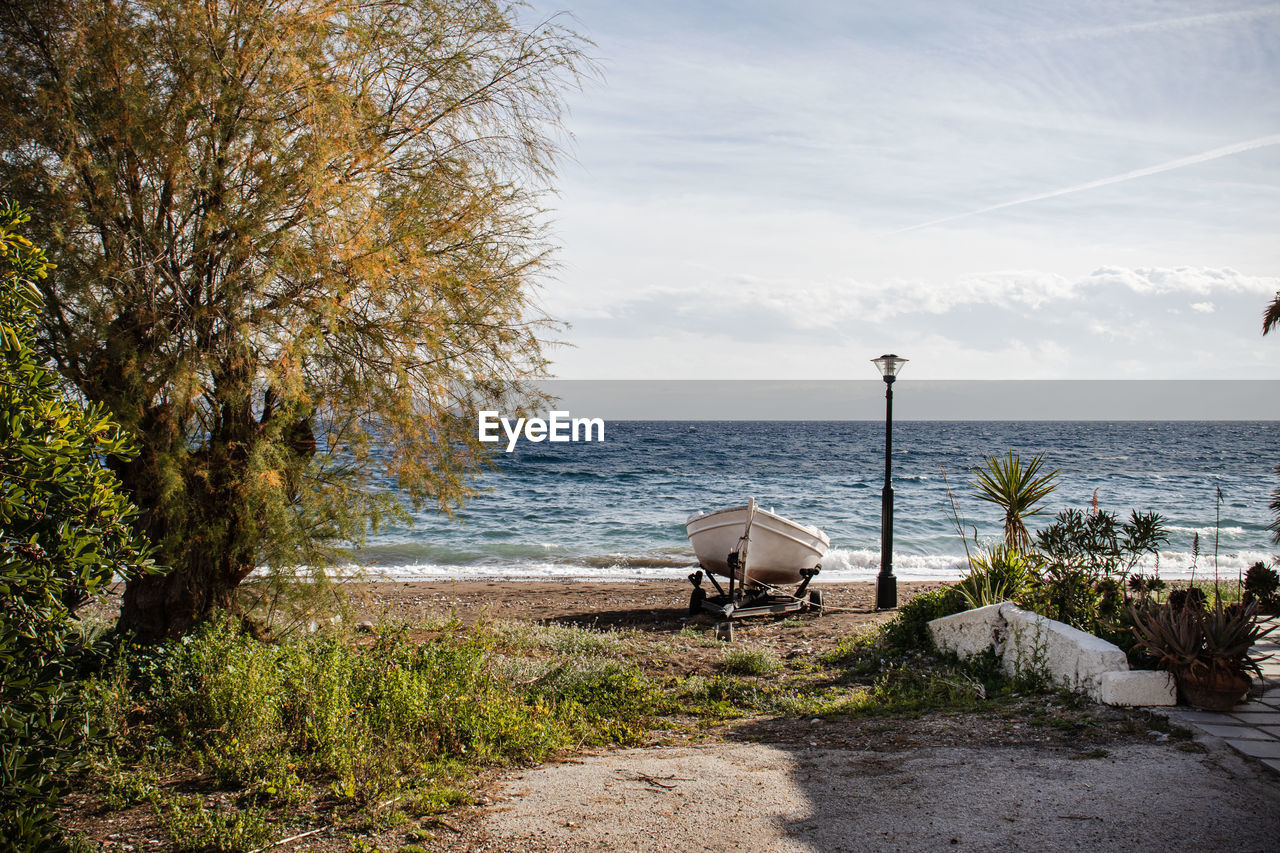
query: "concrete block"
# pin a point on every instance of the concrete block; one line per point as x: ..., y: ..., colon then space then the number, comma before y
x: 1136, y: 688
x: 1068, y: 656
x: 970, y: 632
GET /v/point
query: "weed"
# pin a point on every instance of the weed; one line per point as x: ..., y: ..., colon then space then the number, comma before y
x: 1029, y: 649
x: 192, y: 826
x: 561, y: 640
x: 1093, y: 753
x: 124, y: 788
x: 279, y: 723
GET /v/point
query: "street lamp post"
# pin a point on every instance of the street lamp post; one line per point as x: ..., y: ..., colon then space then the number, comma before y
x: 886, y: 583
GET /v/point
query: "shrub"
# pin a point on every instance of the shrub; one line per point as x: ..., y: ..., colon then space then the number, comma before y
x: 1083, y: 562
x: 64, y: 533
x: 193, y: 827
x: 1192, y: 640
x: 1261, y: 584
x: 1188, y: 598
x: 908, y: 629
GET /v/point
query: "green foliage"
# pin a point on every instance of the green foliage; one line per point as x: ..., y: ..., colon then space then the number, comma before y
x: 1016, y: 489
x: 298, y: 245
x: 914, y: 685
x: 1098, y: 543
x: 998, y: 574
x: 901, y: 682
x: 64, y: 533
x: 908, y: 629
x: 611, y: 698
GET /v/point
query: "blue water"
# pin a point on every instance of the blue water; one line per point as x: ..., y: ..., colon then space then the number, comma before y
x: 616, y: 509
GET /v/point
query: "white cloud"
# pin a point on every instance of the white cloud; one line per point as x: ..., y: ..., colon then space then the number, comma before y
x: 1013, y: 324
x: 1198, y: 281
x: 741, y: 171
x: 800, y: 305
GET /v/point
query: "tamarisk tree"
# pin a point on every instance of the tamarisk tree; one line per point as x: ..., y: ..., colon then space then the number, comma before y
x: 297, y: 243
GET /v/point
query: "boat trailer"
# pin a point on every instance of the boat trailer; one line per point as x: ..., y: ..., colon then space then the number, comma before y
x: 751, y: 599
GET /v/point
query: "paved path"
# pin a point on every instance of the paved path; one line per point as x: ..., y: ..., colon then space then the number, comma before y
x: 1254, y: 727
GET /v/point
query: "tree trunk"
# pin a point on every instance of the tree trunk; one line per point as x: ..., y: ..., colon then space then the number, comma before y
x: 157, y: 607
x: 203, y: 537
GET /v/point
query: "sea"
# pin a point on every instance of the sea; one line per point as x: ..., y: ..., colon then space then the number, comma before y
x: 616, y: 509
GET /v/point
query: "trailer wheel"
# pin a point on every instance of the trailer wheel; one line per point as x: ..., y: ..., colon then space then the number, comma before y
x: 695, y: 600
x: 815, y: 600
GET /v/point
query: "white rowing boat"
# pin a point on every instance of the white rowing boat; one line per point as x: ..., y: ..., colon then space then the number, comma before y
x: 773, y: 549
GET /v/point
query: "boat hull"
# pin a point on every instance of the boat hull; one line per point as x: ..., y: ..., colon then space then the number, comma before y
x: 779, y: 548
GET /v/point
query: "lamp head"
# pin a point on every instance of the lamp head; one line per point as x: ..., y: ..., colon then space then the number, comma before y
x: 889, y: 365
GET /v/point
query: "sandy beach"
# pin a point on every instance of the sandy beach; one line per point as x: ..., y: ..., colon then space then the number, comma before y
x: 647, y: 605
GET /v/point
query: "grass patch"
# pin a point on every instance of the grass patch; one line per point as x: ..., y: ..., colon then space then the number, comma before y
x: 347, y: 721
x: 749, y: 661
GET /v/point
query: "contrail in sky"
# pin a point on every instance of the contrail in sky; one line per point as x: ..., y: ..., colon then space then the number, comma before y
x: 1224, y: 151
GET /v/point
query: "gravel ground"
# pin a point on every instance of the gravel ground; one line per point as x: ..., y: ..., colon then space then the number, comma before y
x: 724, y: 796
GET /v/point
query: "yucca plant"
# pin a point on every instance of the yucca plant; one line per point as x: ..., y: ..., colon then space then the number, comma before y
x: 1017, y: 489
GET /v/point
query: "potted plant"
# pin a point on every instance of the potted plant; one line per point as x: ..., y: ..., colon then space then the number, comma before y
x: 1206, y: 648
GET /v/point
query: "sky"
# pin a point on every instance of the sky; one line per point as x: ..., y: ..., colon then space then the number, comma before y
x: 785, y: 190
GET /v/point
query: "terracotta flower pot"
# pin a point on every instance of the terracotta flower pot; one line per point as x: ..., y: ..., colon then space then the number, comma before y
x: 1214, y: 689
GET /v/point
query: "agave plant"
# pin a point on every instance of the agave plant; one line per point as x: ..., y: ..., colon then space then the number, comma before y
x: 1229, y: 633
x: 1017, y: 489
x: 1189, y: 640
x: 1174, y: 635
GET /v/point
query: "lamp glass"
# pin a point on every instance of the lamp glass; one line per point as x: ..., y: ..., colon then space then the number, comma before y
x: 889, y: 365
